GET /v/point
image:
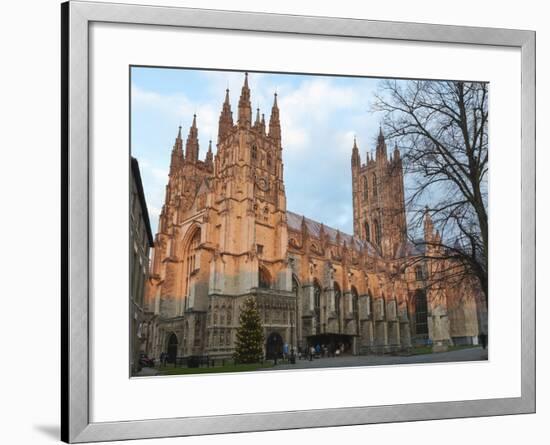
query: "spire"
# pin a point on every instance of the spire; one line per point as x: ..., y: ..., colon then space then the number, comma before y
x: 396, y: 155
x: 209, y: 160
x: 274, y: 123
x: 192, y: 145
x: 262, y: 124
x: 245, y: 110
x: 257, y: 121
x: 226, y: 118
x: 176, y: 160
x: 428, y: 226
x: 381, y: 152
x: 355, y: 158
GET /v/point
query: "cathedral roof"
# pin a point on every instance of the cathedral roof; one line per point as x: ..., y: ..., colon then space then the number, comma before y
x: 294, y: 222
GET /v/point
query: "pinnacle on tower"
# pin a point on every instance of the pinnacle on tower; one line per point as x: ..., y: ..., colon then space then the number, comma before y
x: 257, y: 121
x: 355, y: 158
x: 395, y: 150
x: 262, y: 124
x: 396, y: 154
x: 428, y: 226
x: 226, y: 119
x: 176, y: 160
x: 381, y: 151
x: 274, y: 123
x: 245, y: 110
x: 209, y: 159
x: 192, y: 145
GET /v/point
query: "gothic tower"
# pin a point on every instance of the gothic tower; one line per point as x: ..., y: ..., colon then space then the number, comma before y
x: 251, y: 199
x: 169, y: 286
x: 378, y: 198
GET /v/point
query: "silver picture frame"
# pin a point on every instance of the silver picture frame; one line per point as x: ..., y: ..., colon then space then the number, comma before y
x: 75, y: 396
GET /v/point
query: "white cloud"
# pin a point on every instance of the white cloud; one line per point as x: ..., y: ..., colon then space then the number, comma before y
x: 319, y: 118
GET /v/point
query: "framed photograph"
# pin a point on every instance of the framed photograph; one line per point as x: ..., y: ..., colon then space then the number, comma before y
x: 278, y: 222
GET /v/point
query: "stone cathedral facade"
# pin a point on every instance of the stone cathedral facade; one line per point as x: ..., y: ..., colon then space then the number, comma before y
x: 225, y: 235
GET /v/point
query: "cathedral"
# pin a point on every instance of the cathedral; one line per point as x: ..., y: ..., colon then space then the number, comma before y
x: 225, y: 235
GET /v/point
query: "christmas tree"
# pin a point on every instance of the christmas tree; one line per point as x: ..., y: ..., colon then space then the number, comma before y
x: 250, y: 336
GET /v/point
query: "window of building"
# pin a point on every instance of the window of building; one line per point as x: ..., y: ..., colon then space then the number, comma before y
x: 269, y: 161
x: 421, y: 313
x: 419, y: 273
x: 365, y: 188
x: 367, y: 231
x: 377, y: 232
x: 259, y: 249
x: 317, y: 306
x: 264, y: 278
x: 191, y: 259
x: 254, y: 153
x: 337, y: 298
x: 374, y: 186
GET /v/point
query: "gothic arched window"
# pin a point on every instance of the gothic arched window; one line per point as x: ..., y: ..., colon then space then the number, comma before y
x: 374, y: 186
x: 268, y: 161
x: 419, y: 273
x: 191, y: 259
x: 367, y: 231
x: 254, y: 153
x: 264, y: 278
x: 365, y: 188
x: 337, y: 298
x: 317, y: 306
x: 421, y: 312
x: 377, y: 232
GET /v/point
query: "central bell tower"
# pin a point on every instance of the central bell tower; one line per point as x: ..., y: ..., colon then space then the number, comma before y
x: 251, y: 197
x: 379, y: 198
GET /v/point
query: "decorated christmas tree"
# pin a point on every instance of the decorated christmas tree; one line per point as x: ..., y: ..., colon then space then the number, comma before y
x: 250, y: 337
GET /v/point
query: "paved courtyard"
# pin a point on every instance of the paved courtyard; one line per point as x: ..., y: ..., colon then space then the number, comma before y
x: 460, y: 355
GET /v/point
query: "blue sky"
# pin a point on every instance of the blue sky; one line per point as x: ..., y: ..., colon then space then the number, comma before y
x: 319, y: 117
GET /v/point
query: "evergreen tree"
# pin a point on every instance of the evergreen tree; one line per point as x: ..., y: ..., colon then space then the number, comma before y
x: 250, y: 337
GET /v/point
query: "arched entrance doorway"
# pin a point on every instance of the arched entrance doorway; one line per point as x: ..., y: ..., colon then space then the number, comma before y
x: 274, y: 346
x: 172, y: 348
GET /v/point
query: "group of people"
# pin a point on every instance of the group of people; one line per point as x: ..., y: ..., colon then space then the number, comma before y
x: 321, y: 351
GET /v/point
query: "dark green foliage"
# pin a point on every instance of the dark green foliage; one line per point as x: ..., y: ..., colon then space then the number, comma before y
x: 250, y: 337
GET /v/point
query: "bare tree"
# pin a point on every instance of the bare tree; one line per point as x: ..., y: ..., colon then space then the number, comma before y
x: 441, y: 129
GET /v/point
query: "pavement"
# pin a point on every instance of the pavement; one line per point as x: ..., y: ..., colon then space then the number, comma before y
x: 147, y: 372
x: 460, y: 355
